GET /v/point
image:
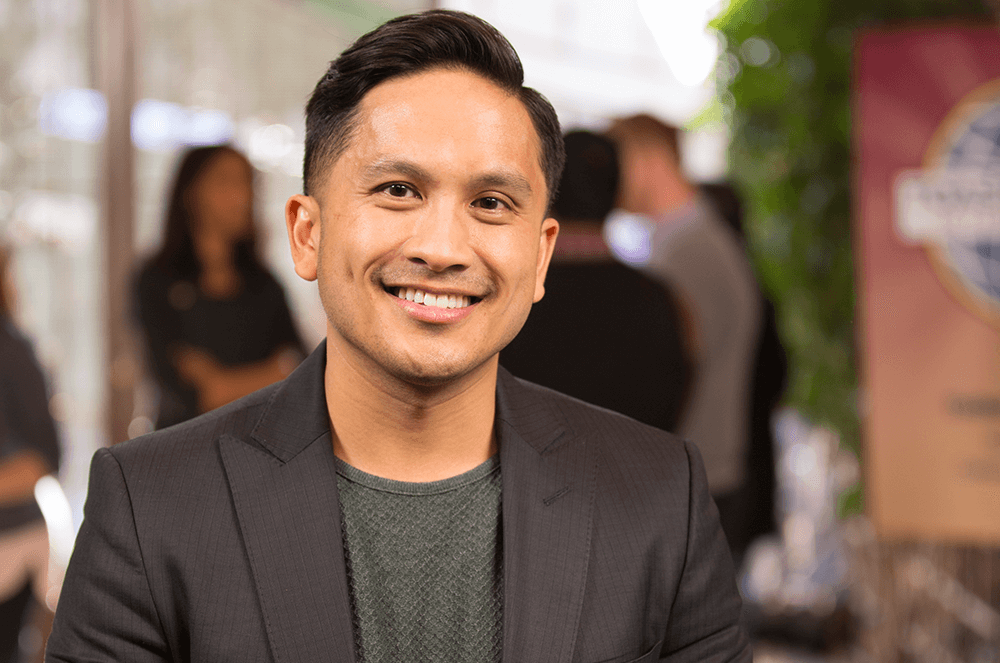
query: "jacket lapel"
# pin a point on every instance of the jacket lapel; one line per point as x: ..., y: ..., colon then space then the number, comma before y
x: 549, y: 479
x: 284, y: 488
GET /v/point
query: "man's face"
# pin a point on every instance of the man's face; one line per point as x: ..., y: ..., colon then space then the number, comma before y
x: 433, y: 242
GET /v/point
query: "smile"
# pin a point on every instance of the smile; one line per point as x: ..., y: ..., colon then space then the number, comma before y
x: 435, y: 301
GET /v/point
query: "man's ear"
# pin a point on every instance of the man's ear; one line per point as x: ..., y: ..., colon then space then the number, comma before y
x: 302, y: 220
x: 546, y: 245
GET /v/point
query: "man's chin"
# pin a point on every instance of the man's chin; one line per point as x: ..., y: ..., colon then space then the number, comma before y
x: 440, y: 373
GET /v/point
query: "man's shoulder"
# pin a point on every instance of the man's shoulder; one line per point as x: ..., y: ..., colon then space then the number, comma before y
x: 622, y: 436
x: 192, y: 443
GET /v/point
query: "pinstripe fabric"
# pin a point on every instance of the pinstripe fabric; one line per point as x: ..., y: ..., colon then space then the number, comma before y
x: 219, y: 540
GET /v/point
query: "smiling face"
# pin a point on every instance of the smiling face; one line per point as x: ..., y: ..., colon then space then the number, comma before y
x: 428, y: 234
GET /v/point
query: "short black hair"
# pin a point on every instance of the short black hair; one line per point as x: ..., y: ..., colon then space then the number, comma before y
x: 408, y: 45
x: 589, y: 184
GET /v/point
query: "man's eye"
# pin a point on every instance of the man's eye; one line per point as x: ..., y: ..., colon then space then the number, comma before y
x: 399, y: 191
x: 490, y: 203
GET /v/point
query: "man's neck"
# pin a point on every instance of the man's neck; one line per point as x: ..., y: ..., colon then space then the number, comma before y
x: 396, y: 430
x: 668, y: 199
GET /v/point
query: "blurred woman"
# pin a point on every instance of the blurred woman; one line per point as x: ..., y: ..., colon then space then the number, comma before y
x: 216, y: 322
x: 29, y: 449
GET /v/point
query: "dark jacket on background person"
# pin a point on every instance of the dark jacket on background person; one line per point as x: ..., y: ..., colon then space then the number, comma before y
x: 609, y: 335
x: 172, y: 312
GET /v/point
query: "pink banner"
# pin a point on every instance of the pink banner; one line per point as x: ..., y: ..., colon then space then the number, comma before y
x: 927, y: 239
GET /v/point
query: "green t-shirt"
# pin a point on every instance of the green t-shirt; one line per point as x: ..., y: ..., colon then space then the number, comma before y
x: 424, y: 563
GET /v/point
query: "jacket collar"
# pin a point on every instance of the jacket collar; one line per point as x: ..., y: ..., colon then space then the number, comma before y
x: 549, y: 478
x: 296, y: 414
x: 289, y: 517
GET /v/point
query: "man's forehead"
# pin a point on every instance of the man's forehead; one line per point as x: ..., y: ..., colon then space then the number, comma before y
x: 461, y: 106
x: 439, y: 91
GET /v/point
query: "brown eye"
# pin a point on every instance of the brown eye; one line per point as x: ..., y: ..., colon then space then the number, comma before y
x: 398, y: 190
x: 490, y: 203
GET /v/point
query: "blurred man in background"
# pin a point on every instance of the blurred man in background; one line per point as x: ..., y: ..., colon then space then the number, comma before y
x: 700, y: 257
x: 605, y: 332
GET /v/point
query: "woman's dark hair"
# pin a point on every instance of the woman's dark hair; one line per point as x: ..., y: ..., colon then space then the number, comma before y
x: 177, y: 255
x: 589, y: 183
x: 408, y: 45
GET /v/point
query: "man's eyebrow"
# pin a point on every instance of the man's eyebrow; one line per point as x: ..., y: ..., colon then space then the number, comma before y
x: 386, y: 167
x: 516, y: 183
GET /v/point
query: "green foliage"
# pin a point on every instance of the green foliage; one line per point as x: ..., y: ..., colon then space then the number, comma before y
x: 786, y: 83
x: 357, y: 16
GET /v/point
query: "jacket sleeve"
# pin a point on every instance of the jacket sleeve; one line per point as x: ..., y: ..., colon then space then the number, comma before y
x: 106, y: 611
x: 705, y: 624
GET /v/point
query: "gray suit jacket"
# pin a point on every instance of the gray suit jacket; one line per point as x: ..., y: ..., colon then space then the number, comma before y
x: 219, y: 540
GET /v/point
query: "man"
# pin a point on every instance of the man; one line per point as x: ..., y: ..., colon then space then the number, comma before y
x: 694, y: 252
x: 605, y: 333
x: 353, y: 512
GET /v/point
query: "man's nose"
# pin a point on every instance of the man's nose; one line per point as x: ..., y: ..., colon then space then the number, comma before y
x: 439, y: 238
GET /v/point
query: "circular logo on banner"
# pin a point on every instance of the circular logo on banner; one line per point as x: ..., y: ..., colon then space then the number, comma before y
x: 952, y: 205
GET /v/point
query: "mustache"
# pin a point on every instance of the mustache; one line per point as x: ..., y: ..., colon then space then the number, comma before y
x: 394, y: 275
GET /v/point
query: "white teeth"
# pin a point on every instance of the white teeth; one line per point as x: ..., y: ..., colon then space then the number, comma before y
x: 438, y: 301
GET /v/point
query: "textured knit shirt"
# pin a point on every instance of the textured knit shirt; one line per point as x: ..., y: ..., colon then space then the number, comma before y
x: 424, y: 562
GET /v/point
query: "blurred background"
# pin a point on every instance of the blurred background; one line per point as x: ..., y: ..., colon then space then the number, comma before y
x: 790, y: 102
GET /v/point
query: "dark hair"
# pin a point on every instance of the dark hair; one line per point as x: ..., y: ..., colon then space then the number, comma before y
x: 177, y: 255
x: 589, y: 183
x: 408, y: 45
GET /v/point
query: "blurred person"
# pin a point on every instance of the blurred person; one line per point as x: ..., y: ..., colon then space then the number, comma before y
x: 29, y: 450
x: 215, y: 321
x: 770, y: 375
x: 605, y: 333
x: 352, y: 512
x: 694, y: 251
